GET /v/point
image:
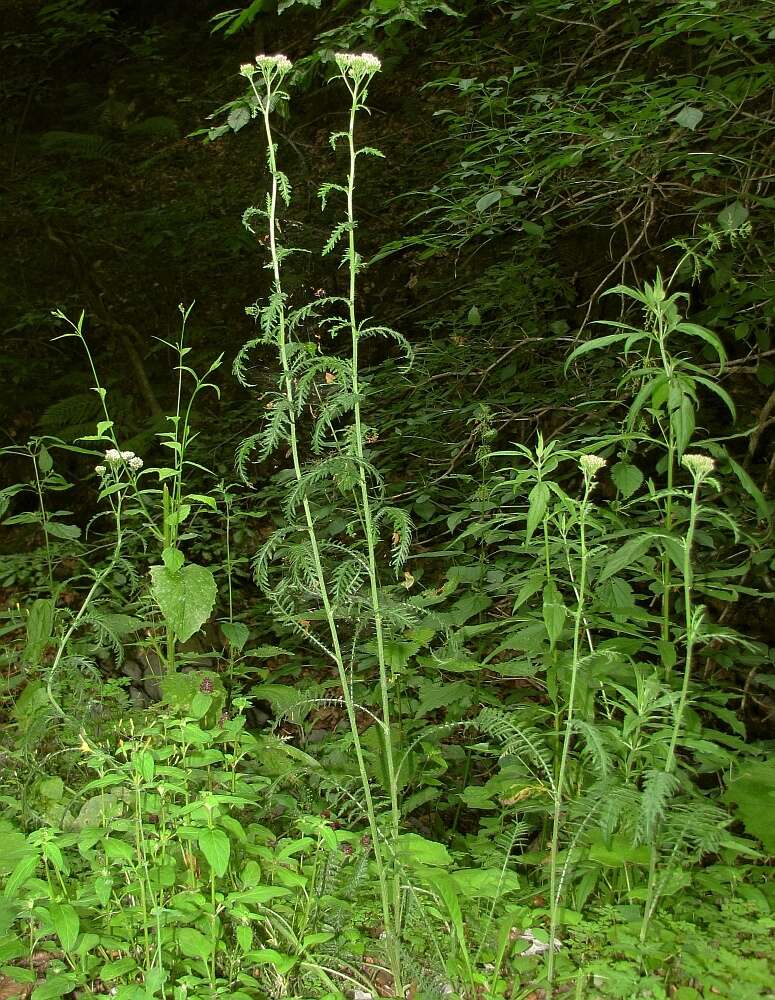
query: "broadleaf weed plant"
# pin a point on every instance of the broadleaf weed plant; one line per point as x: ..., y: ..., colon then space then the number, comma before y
x: 138, y: 510
x: 349, y: 593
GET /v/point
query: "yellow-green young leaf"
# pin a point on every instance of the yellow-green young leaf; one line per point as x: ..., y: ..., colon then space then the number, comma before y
x: 66, y: 924
x: 215, y: 846
x: 185, y: 596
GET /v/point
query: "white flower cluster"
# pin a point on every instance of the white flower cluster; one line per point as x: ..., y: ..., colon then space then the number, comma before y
x: 590, y: 465
x: 266, y: 64
x: 358, y: 66
x: 115, y: 457
x: 699, y: 465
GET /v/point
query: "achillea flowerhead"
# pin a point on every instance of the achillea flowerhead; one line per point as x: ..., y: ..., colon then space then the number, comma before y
x: 247, y: 70
x: 358, y: 66
x: 590, y: 465
x: 700, y: 466
x: 115, y: 457
x: 279, y: 62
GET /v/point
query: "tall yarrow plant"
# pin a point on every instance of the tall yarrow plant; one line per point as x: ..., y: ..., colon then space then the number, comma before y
x: 307, y: 575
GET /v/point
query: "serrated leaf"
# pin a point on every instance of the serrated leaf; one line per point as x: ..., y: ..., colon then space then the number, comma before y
x: 56, y: 986
x: 68, y: 532
x: 752, y: 791
x: 628, y: 478
x: 237, y: 634
x: 238, y: 118
x: 732, y: 217
x: 186, y: 597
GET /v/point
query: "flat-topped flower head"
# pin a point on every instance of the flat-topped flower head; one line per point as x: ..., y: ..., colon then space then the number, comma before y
x: 358, y: 66
x: 247, y: 70
x: 282, y: 64
x: 115, y: 457
x: 700, y: 466
x: 590, y: 465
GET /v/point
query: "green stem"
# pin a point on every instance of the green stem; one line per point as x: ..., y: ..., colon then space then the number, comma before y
x: 265, y: 104
x: 368, y: 523
x: 554, y: 892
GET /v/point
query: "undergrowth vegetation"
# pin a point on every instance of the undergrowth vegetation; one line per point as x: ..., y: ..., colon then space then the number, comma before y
x: 434, y: 660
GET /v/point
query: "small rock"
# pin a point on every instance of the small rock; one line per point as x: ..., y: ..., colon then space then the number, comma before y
x: 138, y: 697
x: 133, y: 670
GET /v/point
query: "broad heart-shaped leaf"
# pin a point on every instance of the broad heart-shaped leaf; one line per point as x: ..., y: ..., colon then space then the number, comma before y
x: 237, y: 634
x: 215, y: 846
x: 238, y: 118
x: 628, y: 478
x: 732, y: 217
x: 185, y: 597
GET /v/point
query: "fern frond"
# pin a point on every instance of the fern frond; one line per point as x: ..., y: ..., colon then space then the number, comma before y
x: 403, y: 532
x: 659, y: 787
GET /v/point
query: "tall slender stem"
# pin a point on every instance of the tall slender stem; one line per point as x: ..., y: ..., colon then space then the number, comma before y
x: 273, y: 79
x: 368, y: 522
x: 589, y: 465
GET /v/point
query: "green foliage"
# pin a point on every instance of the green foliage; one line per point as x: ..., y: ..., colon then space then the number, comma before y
x: 464, y: 688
